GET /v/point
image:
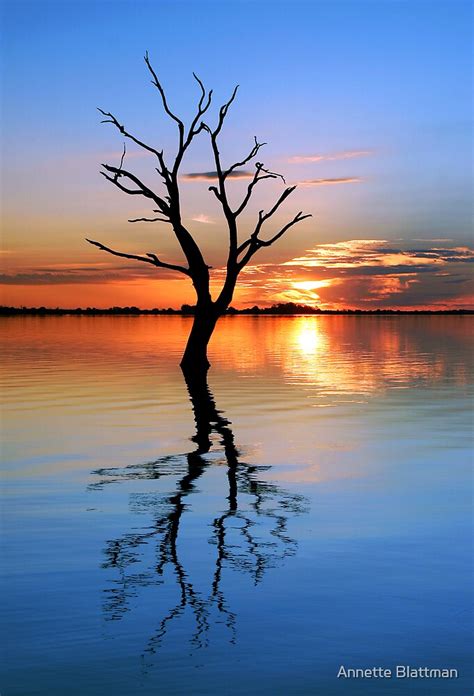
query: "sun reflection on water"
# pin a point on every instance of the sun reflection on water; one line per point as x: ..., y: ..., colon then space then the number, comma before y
x: 308, y: 337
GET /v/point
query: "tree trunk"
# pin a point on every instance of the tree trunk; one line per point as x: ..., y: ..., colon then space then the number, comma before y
x: 195, y: 354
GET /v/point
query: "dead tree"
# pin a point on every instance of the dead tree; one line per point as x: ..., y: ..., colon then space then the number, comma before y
x: 168, y: 210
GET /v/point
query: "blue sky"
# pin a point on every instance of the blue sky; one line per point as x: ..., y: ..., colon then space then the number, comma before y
x: 388, y: 80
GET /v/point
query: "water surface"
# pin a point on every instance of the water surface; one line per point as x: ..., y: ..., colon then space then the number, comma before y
x: 310, y: 511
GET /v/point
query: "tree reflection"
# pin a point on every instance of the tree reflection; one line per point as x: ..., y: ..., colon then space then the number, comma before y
x: 250, y: 535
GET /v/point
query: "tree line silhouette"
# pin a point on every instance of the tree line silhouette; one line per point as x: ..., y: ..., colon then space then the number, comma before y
x: 287, y: 308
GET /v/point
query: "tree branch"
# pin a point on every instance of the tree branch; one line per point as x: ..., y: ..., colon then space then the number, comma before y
x: 153, y: 259
x: 262, y: 217
x: 253, y: 153
x: 155, y: 81
x: 256, y: 178
x: 255, y: 243
x: 215, y: 191
x: 298, y: 218
x: 163, y: 171
x: 201, y: 110
x: 131, y: 192
x: 184, y: 141
x: 193, y: 131
x: 142, y: 188
x: 223, y: 111
x: 172, y: 266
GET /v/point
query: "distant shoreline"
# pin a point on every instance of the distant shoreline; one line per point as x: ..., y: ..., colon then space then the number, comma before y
x: 187, y: 310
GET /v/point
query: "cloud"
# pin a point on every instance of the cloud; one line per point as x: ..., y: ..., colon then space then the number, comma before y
x: 433, y: 239
x: 455, y: 255
x: 51, y: 278
x: 382, y: 287
x: 330, y: 157
x: 205, y: 219
x: 331, y: 182
x: 368, y: 273
x: 86, y: 275
x: 370, y: 253
x: 211, y: 176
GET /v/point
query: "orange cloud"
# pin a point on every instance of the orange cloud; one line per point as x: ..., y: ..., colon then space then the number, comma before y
x: 331, y: 182
x: 386, y: 286
x: 339, y: 254
x: 378, y: 252
x: 205, y: 219
x: 330, y: 157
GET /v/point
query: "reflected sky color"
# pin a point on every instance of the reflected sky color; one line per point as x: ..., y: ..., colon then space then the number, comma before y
x: 365, y: 105
x: 319, y: 517
x: 304, y: 366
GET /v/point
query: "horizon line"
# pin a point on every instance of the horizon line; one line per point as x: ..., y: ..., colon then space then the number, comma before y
x: 288, y: 308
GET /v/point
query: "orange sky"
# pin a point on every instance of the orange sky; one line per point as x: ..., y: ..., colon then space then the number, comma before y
x: 380, y: 151
x: 356, y: 273
x: 352, y: 253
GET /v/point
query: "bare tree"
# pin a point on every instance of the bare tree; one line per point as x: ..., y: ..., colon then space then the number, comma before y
x: 168, y: 210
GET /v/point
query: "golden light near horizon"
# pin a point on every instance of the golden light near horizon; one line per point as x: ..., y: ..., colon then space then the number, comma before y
x: 311, y: 284
x: 302, y: 291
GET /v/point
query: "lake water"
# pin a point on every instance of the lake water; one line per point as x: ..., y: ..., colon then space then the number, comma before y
x: 315, y: 515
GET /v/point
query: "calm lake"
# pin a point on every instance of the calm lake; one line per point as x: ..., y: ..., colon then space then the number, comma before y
x: 311, y: 510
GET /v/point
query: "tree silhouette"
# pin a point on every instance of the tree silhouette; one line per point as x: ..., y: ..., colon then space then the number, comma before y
x: 168, y: 210
x: 250, y: 535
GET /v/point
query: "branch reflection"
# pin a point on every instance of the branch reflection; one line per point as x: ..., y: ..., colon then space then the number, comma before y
x: 250, y: 534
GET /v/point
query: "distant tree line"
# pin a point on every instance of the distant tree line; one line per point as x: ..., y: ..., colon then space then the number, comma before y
x: 287, y: 308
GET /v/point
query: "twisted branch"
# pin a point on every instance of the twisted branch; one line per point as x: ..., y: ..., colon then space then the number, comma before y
x: 152, y: 258
x: 163, y: 170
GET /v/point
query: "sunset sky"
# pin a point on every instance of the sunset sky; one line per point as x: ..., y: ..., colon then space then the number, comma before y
x: 365, y: 105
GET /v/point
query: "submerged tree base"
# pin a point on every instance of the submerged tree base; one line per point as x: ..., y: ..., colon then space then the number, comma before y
x: 195, y: 355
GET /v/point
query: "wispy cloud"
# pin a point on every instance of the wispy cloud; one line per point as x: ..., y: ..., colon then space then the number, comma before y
x: 330, y: 157
x: 50, y: 278
x: 93, y: 274
x: 211, y: 176
x: 433, y: 239
x: 368, y: 273
x: 331, y: 182
x: 205, y: 219
x: 378, y: 253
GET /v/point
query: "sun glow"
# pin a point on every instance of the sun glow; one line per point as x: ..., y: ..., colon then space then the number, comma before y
x: 310, y: 284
